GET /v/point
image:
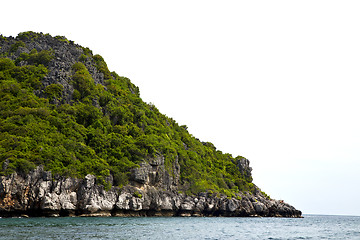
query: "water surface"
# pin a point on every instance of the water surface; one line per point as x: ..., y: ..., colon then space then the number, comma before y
x: 309, y: 227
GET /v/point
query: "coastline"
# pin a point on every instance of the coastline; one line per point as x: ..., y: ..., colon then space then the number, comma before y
x: 38, y: 194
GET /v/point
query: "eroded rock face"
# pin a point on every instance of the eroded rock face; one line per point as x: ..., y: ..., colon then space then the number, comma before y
x: 153, y: 172
x: 152, y: 192
x: 65, y: 53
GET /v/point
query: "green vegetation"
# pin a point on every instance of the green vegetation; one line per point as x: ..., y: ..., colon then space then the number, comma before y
x: 54, y: 90
x: 102, y: 67
x: 83, y: 58
x: 16, y: 45
x: 267, y: 196
x: 35, y: 58
x: 87, y: 51
x: 137, y: 194
x: 62, y: 38
x: 30, y: 35
x: 104, y: 130
x: 83, y: 81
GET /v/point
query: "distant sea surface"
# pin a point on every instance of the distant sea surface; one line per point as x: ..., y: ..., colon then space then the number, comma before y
x: 309, y: 227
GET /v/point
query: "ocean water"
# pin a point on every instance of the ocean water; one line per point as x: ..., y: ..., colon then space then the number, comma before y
x: 309, y: 227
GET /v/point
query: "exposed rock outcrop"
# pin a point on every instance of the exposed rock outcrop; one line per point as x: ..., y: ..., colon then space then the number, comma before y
x: 65, y: 54
x: 152, y: 192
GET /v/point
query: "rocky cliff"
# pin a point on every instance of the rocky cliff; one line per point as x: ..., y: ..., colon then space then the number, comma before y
x: 152, y: 192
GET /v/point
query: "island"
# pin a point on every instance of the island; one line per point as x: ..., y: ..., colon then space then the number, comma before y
x: 77, y: 140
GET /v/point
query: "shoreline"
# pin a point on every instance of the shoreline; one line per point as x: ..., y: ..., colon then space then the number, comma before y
x: 38, y: 194
x: 130, y: 213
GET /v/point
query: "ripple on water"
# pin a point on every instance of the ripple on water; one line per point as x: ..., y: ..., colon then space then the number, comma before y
x: 310, y: 227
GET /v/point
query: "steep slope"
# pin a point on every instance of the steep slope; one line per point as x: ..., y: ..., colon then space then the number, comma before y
x: 100, y: 148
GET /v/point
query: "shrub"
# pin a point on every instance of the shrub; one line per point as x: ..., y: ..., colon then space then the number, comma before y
x: 16, y: 46
x: 29, y: 75
x: 35, y: 58
x: 86, y: 114
x: 82, y: 80
x: 10, y: 86
x: 87, y: 51
x: 83, y: 58
x: 30, y: 35
x: 23, y: 165
x: 102, y: 66
x: 137, y: 194
x: 120, y: 178
x: 6, y: 63
x: 78, y: 66
x: 62, y: 38
x: 54, y: 90
x: 266, y: 196
x: 76, y: 95
x: 43, y: 57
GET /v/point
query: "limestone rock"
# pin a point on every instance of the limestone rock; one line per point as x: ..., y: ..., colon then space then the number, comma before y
x: 38, y: 194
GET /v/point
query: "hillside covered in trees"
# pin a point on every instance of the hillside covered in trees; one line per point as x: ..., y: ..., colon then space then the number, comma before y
x: 77, y: 140
x: 62, y: 108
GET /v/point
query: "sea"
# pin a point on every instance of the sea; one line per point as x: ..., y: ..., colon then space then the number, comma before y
x: 170, y: 228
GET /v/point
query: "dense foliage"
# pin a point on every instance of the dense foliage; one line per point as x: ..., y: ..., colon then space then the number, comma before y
x: 105, y: 129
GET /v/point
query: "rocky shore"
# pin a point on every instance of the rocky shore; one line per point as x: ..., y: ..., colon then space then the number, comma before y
x: 151, y: 193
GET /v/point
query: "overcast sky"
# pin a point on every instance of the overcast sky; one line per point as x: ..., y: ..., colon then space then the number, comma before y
x: 274, y: 81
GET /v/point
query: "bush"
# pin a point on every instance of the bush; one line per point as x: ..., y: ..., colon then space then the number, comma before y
x: 16, y: 46
x: 87, y: 51
x: 23, y: 165
x: 62, y: 38
x: 43, y: 57
x: 265, y: 195
x: 102, y: 66
x: 83, y: 58
x: 86, y: 114
x: 35, y: 58
x: 137, y: 194
x: 30, y: 35
x: 6, y: 64
x: 82, y: 80
x: 76, y: 95
x: 29, y: 75
x: 120, y: 178
x: 10, y: 86
x: 54, y: 90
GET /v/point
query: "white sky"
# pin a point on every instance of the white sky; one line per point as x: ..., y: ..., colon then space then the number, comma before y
x: 274, y: 81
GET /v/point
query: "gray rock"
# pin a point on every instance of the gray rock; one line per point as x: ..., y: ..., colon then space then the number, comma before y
x: 60, y: 67
x: 38, y: 192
